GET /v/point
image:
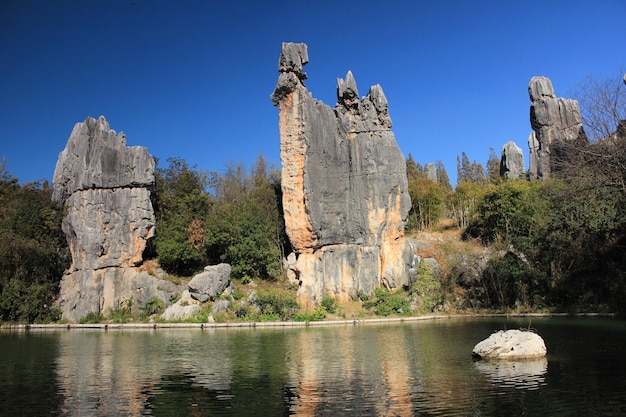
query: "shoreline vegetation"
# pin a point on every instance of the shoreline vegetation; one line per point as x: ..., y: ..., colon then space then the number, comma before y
x: 276, y: 324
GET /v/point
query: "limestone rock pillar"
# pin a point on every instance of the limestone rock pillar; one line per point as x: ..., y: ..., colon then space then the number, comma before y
x: 344, y: 183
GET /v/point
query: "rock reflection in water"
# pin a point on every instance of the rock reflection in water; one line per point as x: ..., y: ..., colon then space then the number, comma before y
x: 525, y: 374
x: 115, y: 373
x: 353, y: 374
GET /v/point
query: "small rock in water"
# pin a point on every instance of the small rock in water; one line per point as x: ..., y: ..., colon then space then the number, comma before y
x: 511, y: 344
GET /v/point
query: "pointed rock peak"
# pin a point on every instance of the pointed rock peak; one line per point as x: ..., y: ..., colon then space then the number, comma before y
x: 377, y: 97
x: 293, y: 57
x: 346, y: 89
x: 540, y: 87
x: 511, y: 146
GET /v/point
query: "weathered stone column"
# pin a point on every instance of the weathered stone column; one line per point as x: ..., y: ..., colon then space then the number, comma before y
x: 345, y: 193
x: 105, y: 188
x: 557, y: 124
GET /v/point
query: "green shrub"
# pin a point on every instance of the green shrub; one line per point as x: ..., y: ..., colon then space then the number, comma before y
x: 201, y: 316
x: 123, y: 314
x: 330, y: 305
x: 91, y: 318
x: 427, y: 288
x: 318, y: 314
x: 238, y: 294
x: 386, y: 302
x: 362, y: 296
x: 279, y: 305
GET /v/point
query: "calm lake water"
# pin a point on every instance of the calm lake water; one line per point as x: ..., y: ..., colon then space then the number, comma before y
x: 405, y: 369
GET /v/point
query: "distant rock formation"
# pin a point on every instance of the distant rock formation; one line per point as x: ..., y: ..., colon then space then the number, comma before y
x: 557, y: 125
x: 431, y: 172
x: 344, y: 184
x: 533, y: 158
x: 105, y: 188
x: 512, y: 161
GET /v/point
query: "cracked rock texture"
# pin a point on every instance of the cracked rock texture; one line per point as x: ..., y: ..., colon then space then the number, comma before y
x: 344, y: 184
x: 105, y: 188
x: 557, y: 126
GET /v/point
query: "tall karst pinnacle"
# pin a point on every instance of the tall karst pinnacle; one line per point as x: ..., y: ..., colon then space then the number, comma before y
x: 105, y: 188
x: 344, y: 183
x: 557, y: 126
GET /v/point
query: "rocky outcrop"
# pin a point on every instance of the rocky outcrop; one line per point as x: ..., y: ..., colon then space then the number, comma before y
x: 211, y: 283
x: 431, y: 172
x: 557, y: 124
x: 105, y: 188
x: 344, y: 186
x: 512, y: 345
x: 512, y: 161
x: 182, y: 309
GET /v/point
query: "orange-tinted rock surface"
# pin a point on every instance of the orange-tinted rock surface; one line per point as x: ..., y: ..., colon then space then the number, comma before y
x: 344, y: 184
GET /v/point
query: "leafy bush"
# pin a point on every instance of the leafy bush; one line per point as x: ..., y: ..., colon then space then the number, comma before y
x: 318, y: 314
x: 427, y: 288
x: 276, y: 304
x: 386, y: 302
x: 201, y: 316
x: 330, y: 305
x: 91, y: 318
x: 238, y: 294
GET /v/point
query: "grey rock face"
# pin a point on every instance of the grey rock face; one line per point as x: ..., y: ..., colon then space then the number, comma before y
x: 557, y: 124
x: 209, y: 284
x: 95, y: 157
x: 107, y: 289
x: 108, y: 227
x: 345, y: 197
x: 220, y: 306
x: 512, y: 161
x: 431, y: 171
x: 105, y: 187
x: 180, y: 311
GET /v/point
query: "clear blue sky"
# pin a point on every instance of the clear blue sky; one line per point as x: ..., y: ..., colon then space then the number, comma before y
x: 192, y: 79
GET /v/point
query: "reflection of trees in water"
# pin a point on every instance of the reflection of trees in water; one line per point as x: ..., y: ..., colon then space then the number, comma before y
x: 27, y: 370
x: 179, y: 395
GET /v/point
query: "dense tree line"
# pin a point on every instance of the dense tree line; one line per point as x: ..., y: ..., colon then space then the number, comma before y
x: 33, y: 251
x: 206, y: 218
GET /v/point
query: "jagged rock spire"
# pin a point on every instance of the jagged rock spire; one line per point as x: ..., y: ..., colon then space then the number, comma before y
x: 345, y: 193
